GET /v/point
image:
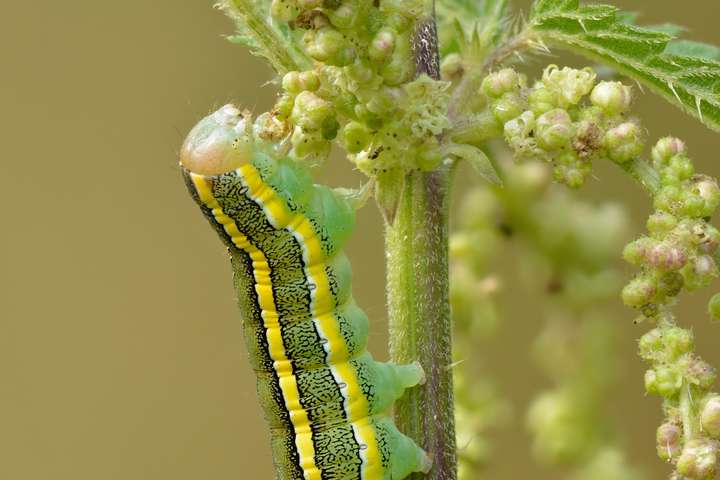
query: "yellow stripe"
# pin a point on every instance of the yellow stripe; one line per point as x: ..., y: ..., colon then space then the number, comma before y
x: 322, y: 309
x: 283, y: 367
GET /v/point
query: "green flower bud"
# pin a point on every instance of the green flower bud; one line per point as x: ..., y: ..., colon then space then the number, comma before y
x: 698, y: 459
x: 651, y: 345
x: 329, y: 46
x: 661, y: 222
x: 554, y: 129
x: 624, y: 142
x: 665, y: 149
x: 681, y: 167
x: 714, y: 307
x: 283, y: 10
x: 666, y: 257
x: 612, y: 97
x: 571, y: 170
x: 669, y: 441
x: 639, y: 292
x: 382, y: 46
x: 345, y: 15
x: 664, y: 381
x: 451, y: 67
x: 636, y: 252
x: 291, y: 82
x: 310, y: 111
x: 707, y: 189
x: 400, y: 67
x: 677, y: 342
x: 710, y: 416
x: 569, y: 84
x: 670, y: 284
x: 541, y: 100
x: 309, y: 144
x: 708, y: 238
x: 509, y: 106
x: 309, y: 80
x: 698, y: 372
x: 668, y: 198
x: 355, y: 137
x: 284, y: 106
x: 499, y: 83
x: 309, y: 4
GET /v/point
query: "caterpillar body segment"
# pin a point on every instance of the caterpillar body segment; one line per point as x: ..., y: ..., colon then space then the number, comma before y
x: 324, y: 396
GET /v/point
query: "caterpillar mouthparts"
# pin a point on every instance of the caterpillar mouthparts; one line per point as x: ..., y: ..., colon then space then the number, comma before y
x: 219, y: 143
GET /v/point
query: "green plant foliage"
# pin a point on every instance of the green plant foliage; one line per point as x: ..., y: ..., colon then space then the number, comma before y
x: 685, y: 73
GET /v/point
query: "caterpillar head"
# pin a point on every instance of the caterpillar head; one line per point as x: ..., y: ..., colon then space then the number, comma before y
x: 219, y: 143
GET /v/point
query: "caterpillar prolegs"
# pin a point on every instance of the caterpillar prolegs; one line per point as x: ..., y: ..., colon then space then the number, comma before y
x: 324, y: 396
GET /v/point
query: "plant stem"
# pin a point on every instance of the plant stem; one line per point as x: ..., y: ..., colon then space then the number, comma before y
x: 420, y: 326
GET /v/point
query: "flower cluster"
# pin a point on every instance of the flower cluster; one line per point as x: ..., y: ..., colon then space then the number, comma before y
x: 362, y: 90
x: 565, y: 118
x: 678, y: 252
x: 689, y: 438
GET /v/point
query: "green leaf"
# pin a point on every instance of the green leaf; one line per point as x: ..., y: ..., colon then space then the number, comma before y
x: 477, y: 159
x: 685, y: 73
x: 470, y: 27
x: 693, y: 49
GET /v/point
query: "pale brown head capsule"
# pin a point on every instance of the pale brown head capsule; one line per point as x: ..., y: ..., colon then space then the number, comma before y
x: 219, y: 143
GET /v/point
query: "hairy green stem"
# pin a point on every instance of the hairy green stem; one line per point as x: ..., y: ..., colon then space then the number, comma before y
x: 644, y: 173
x: 419, y: 312
x: 686, y: 412
x: 418, y: 292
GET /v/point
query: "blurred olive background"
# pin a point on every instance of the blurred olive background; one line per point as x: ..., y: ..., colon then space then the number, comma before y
x: 120, y: 348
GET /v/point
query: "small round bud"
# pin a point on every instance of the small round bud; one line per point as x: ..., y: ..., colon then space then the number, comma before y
x: 329, y: 46
x: 664, y: 381
x: 699, y: 372
x: 451, y: 67
x: 310, y: 111
x: 283, y: 106
x: 677, y: 342
x: 705, y: 266
x: 554, y: 129
x: 291, y: 82
x: 681, y: 166
x: 499, y: 83
x: 661, y: 222
x: 309, y: 80
x: 356, y: 137
x: 345, y: 15
x: 669, y: 441
x: 698, y: 459
x: 382, y: 46
x: 665, y: 149
x: 637, y: 251
x: 283, y: 10
x: 612, y: 97
x: 666, y: 257
x: 624, y: 142
x: 710, y: 416
x: 707, y: 189
x: 668, y: 198
x: 651, y: 345
x: 509, y: 106
x: 569, y: 84
x: 541, y: 100
x: 307, y: 144
x: 714, y: 307
x: 638, y: 292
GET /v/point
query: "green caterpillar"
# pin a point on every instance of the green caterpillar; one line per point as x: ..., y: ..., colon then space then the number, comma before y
x: 324, y: 396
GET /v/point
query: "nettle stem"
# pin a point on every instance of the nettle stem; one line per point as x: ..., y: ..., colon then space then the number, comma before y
x: 418, y: 294
x: 419, y: 312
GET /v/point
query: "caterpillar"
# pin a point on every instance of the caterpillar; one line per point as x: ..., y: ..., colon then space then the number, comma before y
x: 324, y: 397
